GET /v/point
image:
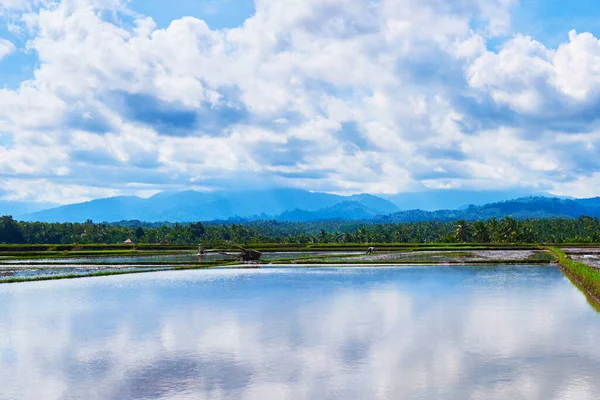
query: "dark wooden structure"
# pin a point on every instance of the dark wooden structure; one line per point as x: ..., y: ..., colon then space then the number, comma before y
x: 244, y: 254
x: 249, y: 255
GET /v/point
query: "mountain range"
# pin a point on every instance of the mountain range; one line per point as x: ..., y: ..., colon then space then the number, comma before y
x: 208, y: 206
x: 522, y: 208
x: 451, y: 199
x: 301, y: 205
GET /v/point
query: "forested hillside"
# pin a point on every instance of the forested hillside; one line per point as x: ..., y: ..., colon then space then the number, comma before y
x: 524, y: 208
x: 504, y: 230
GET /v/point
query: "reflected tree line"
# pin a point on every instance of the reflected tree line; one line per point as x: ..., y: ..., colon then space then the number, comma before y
x: 504, y: 230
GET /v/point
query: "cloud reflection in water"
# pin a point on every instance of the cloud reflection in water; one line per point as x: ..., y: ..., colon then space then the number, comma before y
x: 488, y: 333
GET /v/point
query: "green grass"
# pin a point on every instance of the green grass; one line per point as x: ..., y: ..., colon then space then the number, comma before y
x: 432, y: 257
x: 584, y: 276
x: 109, y: 248
x: 541, y: 257
x: 91, y: 247
x: 111, y: 273
x: 73, y: 276
x: 76, y: 254
x: 103, y: 264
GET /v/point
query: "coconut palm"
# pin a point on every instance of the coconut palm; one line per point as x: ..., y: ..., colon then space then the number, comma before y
x: 481, y: 233
x: 461, y: 233
x: 509, y: 228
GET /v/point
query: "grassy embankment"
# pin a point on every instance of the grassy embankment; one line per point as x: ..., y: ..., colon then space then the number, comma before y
x: 111, y: 273
x: 586, y: 278
x: 29, y: 248
x: 73, y: 276
x: 407, y: 258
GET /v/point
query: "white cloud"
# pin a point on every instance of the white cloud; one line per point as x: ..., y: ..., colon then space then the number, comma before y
x: 6, y: 48
x: 530, y: 78
x: 14, y: 4
x: 577, y: 66
x: 334, y: 95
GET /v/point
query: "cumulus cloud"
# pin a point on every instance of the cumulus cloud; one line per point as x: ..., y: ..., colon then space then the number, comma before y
x: 333, y: 95
x: 533, y: 80
x: 14, y: 4
x: 6, y: 48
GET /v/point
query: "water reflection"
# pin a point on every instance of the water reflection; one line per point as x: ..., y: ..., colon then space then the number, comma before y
x: 176, y: 258
x: 489, y: 333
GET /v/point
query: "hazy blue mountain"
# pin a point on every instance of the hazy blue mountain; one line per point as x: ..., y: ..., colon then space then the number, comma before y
x: 589, y: 203
x: 206, y: 206
x: 299, y: 205
x: 110, y: 209
x: 374, y: 203
x: 451, y: 199
x: 347, y: 210
x: 529, y: 207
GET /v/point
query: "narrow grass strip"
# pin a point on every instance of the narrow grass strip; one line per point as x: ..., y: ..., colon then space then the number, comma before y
x: 74, y: 276
x: 585, y: 277
x: 111, y: 273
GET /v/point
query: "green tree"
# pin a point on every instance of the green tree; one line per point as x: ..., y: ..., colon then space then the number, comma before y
x: 139, y: 233
x: 481, y: 233
x: 197, y: 229
x: 323, y: 237
x: 462, y: 231
x: 10, y: 231
x: 509, y: 230
x: 494, y: 229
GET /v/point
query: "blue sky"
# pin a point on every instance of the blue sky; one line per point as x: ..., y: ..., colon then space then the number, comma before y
x: 218, y: 14
x: 549, y: 21
x: 112, y: 97
x: 19, y: 65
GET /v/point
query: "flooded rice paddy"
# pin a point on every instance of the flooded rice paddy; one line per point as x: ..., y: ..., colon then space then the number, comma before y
x: 30, y: 268
x: 447, y: 332
x: 173, y: 258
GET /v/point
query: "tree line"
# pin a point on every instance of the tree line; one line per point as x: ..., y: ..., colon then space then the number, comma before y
x: 504, y: 230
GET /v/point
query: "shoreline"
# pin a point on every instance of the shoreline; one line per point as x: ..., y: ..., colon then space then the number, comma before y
x: 586, y: 278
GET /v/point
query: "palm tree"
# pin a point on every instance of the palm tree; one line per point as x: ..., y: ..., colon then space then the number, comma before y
x: 526, y: 234
x: 461, y: 232
x: 493, y: 229
x: 509, y: 228
x: 323, y: 236
x: 481, y: 232
x: 337, y: 236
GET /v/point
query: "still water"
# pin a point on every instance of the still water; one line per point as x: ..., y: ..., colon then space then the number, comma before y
x: 322, y: 333
x: 177, y: 258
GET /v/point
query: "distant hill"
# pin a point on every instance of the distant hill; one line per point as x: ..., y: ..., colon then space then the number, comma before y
x: 298, y: 206
x: 528, y: 207
x: 453, y: 199
x: 207, y: 206
x: 347, y: 210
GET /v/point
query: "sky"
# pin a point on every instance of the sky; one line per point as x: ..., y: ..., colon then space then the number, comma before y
x: 113, y: 97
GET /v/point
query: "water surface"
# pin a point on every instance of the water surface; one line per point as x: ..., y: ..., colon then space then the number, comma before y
x: 173, y: 258
x: 318, y: 333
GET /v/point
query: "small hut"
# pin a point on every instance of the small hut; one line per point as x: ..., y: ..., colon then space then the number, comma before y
x: 128, y: 241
